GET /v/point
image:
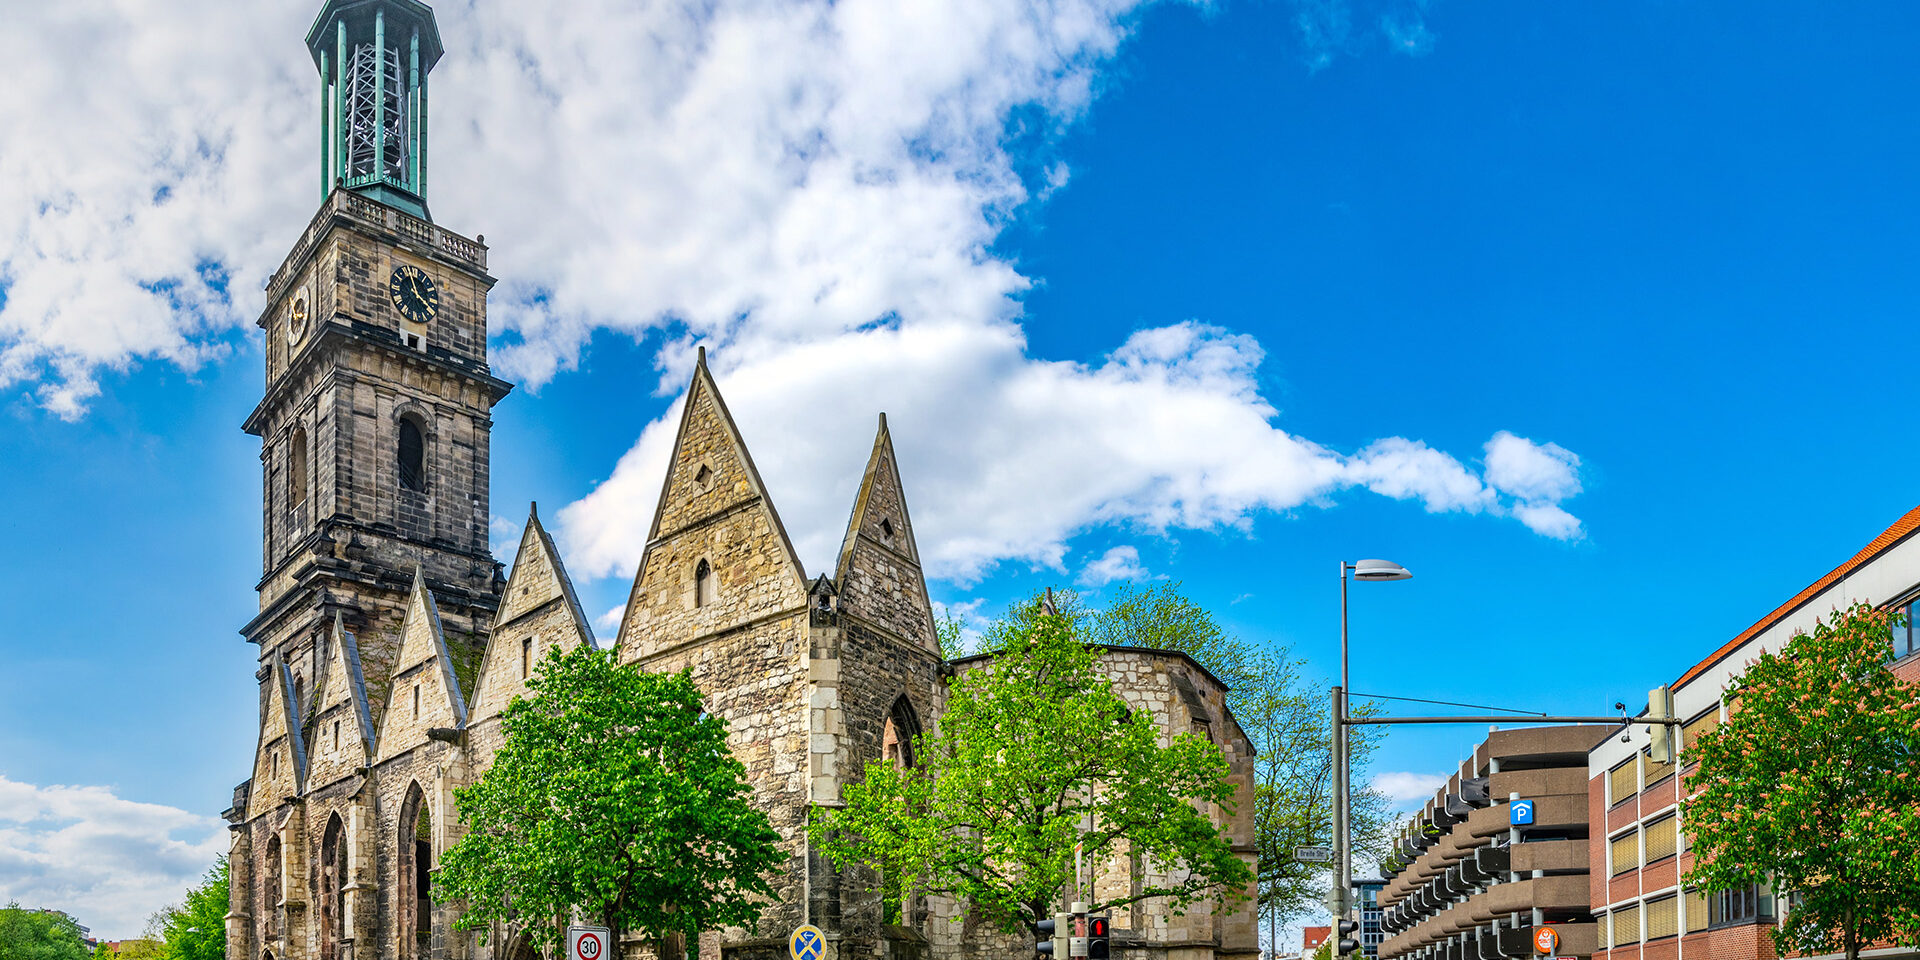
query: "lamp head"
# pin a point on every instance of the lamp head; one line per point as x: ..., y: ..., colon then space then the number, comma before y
x: 1380, y: 570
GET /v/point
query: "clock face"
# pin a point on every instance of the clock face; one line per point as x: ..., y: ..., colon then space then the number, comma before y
x: 413, y: 293
x: 297, y: 317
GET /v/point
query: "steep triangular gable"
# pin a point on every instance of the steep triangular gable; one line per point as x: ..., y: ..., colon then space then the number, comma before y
x: 878, y: 574
x: 538, y: 613
x: 280, y: 761
x: 710, y: 475
x: 340, y: 738
x: 425, y: 666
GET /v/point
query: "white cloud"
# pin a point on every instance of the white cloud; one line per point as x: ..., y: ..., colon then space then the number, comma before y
x: 1119, y: 563
x: 1006, y: 456
x: 108, y: 861
x: 608, y: 624
x: 1404, y: 790
x: 813, y: 188
x: 1539, y: 475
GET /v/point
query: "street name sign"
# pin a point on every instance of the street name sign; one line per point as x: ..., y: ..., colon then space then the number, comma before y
x: 1313, y: 854
x: 1520, y: 813
x: 587, y: 943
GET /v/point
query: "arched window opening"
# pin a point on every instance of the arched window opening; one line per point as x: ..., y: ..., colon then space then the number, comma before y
x: 416, y: 872
x: 413, y: 452
x: 526, y: 657
x: 896, y: 736
x: 333, y: 872
x: 703, y: 584
x: 297, y: 469
x: 273, y: 892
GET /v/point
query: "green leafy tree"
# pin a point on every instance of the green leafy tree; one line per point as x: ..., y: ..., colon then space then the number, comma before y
x: 1288, y: 719
x: 39, y: 935
x: 1036, y: 756
x: 614, y: 796
x: 1811, y: 784
x: 197, y: 928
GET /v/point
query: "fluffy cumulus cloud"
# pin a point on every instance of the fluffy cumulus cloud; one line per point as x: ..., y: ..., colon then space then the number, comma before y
x: 812, y: 188
x: 107, y: 861
x: 1118, y: 563
x: 1007, y: 457
x: 1405, y: 790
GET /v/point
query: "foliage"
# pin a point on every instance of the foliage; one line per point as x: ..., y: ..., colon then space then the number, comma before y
x: 948, y: 629
x: 39, y: 935
x: 197, y: 928
x: 1811, y: 783
x: 1036, y: 756
x: 614, y: 797
x: 1289, y: 721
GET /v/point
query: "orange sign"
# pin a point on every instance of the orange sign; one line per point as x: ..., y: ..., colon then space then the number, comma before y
x: 1546, y: 940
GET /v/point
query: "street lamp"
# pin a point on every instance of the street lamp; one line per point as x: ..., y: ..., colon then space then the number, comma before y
x: 1342, y: 777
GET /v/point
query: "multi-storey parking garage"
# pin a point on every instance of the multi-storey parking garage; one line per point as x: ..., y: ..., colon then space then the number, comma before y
x: 1466, y: 884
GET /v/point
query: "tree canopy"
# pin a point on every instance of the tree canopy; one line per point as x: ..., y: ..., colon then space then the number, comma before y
x: 1810, y: 784
x: 615, y: 797
x: 39, y: 935
x: 1035, y: 756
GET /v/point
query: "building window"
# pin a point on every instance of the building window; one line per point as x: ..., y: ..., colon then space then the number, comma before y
x: 297, y: 469
x: 1700, y: 726
x: 1696, y: 909
x: 333, y: 873
x: 1663, y: 918
x: 702, y: 479
x: 703, y: 584
x: 1741, y: 905
x: 416, y: 701
x: 526, y: 657
x: 1906, y: 640
x: 336, y: 734
x: 896, y: 736
x: 1661, y: 840
x: 1624, y: 780
x: 413, y: 452
x: 886, y: 530
x: 1626, y: 852
x: 1626, y: 925
x: 274, y: 891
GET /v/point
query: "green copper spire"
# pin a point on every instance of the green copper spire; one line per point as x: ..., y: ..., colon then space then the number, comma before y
x: 373, y: 57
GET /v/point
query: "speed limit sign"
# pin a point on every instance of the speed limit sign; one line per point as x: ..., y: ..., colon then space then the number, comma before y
x: 586, y: 943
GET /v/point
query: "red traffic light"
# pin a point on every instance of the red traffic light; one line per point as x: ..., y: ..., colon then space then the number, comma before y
x: 1097, y: 926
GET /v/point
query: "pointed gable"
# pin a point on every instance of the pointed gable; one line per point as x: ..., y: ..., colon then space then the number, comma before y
x: 717, y: 555
x: 280, y: 762
x: 879, y: 574
x: 423, y: 693
x: 340, y: 736
x: 538, y: 613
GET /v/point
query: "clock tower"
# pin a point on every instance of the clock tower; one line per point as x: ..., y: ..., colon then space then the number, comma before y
x: 375, y: 423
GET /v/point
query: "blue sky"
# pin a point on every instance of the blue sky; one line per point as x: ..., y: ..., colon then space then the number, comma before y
x: 1673, y: 240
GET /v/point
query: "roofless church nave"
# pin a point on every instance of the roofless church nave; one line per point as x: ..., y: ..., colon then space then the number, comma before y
x: 390, y: 640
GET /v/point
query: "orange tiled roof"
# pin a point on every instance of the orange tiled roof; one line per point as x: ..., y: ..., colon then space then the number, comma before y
x: 1887, y: 538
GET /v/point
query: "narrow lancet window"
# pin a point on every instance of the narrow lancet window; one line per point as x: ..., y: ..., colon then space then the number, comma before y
x: 413, y: 473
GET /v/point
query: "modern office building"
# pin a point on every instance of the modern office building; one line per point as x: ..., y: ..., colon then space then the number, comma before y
x: 1367, y: 913
x: 1467, y: 884
x: 1639, y: 848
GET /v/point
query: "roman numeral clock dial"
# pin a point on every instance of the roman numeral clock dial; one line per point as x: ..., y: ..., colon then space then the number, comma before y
x: 413, y: 293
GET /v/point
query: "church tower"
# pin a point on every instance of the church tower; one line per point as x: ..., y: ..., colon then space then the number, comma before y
x: 374, y: 427
x: 374, y: 446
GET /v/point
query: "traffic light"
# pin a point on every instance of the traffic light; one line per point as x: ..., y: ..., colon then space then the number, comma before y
x: 1097, y: 928
x: 1660, y: 707
x: 1056, y: 931
x: 1346, y: 943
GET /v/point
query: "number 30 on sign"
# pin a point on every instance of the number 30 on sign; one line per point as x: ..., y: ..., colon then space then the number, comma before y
x: 587, y: 943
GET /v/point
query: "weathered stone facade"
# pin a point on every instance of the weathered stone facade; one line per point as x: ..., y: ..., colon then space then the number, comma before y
x: 389, y: 642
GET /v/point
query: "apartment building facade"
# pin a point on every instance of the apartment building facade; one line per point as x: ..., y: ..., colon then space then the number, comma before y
x: 1638, y: 845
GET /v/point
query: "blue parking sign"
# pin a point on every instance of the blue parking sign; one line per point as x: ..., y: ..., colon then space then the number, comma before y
x: 1520, y: 813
